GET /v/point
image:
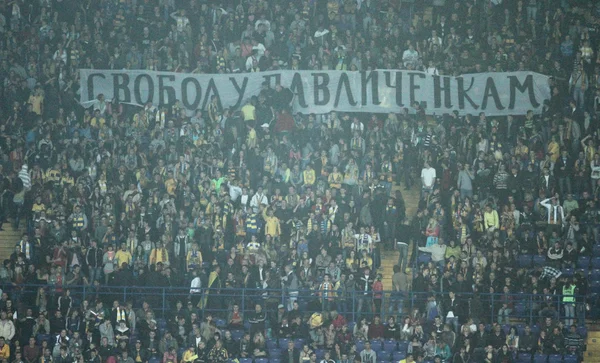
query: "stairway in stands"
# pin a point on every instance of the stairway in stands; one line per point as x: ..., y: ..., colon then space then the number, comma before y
x: 390, y: 258
x: 593, y: 345
x: 9, y: 237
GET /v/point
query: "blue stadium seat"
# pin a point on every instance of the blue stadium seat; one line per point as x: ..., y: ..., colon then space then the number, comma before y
x: 246, y: 360
x: 403, y: 346
x: 583, y: 262
x: 272, y: 344
x: 384, y: 354
x: 595, y: 275
x: 274, y: 353
x: 524, y: 358
x: 283, y: 343
x: 596, y: 262
x: 525, y: 261
x: 596, y: 250
x: 237, y: 334
x: 298, y: 343
x: 520, y: 309
x: 570, y: 359
x: 180, y: 352
x: 568, y: 272
x: 275, y: 360
x: 555, y: 358
x: 360, y: 345
x: 320, y: 353
x: 221, y: 323
x: 582, y: 330
x: 390, y: 345
x: 539, y: 261
x: 154, y: 360
x: 423, y: 259
x: 42, y: 337
x: 595, y: 287
x: 540, y: 358
x: 376, y: 345
x: 397, y: 356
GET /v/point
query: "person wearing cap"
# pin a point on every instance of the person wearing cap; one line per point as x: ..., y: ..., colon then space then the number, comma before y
x: 138, y: 353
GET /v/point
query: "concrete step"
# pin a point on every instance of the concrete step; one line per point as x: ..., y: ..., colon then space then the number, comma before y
x: 8, y: 238
x: 592, y: 353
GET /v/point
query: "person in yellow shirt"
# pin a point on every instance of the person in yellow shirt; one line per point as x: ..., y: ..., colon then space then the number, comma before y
x: 38, y: 206
x: 490, y: 219
x: 251, y: 139
x: 170, y: 183
x: 335, y: 179
x: 193, y: 258
x: 249, y: 111
x: 309, y: 176
x: 36, y: 100
x: 189, y: 355
x: 159, y: 254
x: 123, y: 256
x: 97, y: 121
x: 554, y: 149
x: 4, y: 349
x: 272, y: 225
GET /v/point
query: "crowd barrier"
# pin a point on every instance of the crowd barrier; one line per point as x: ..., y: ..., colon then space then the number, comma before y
x: 526, y: 308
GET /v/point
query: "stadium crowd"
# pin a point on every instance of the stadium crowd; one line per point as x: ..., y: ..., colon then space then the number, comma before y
x: 295, y: 209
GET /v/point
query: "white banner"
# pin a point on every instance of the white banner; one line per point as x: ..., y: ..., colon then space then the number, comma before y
x: 381, y: 91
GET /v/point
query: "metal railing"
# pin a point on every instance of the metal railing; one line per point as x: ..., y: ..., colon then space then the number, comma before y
x: 485, y: 307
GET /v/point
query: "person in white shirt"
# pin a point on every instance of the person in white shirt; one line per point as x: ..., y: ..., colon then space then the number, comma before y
x: 410, y: 56
x: 258, y: 199
x: 438, y: 252
x: 234, y: 191
x: 556, y: 213
x: 364, y: 241
x: 181, y: 20
x: 428, y: 177
x: 244, y: 199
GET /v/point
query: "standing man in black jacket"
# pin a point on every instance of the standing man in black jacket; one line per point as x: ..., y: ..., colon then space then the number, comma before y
x: 364, y: 287
x: 93, y: 260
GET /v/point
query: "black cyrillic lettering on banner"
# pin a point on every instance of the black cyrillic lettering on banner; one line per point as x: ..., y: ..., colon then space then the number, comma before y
x: 527, y: 85
x: 171, y: 97
x: 345, y: 82
x: 137, y: 90
x: 397, y: 85
x: 269, y: 77
x: 121, y: 85
x: 373, y: 78
x: 491, y: 91
x: 210, y: 91
x: 90, y: 84
x: 298, y: 89
x: 321, y: 88
x: 462, y: 93
x: 240, y: 90
x: 414, y: 86
x: 196, y: 92
x: 438, y: 88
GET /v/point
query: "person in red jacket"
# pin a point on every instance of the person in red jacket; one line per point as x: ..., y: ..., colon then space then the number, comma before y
x: 376, y: 329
